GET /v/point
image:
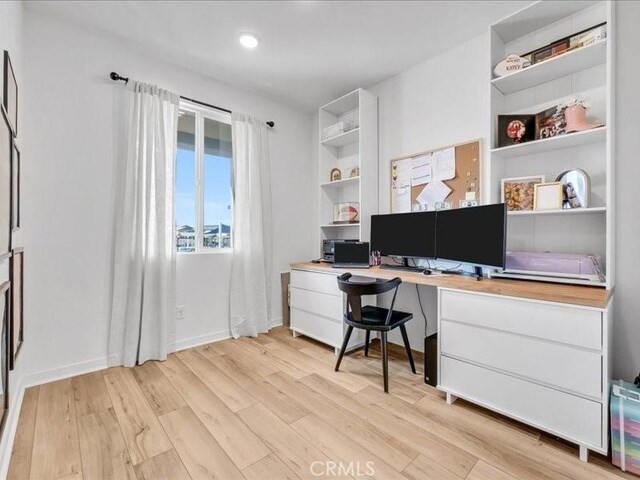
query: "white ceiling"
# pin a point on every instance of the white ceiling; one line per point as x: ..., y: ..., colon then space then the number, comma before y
x: 310, y: 52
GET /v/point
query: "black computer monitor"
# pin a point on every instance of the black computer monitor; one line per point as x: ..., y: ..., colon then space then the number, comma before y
x: 475, y: 235
x: 408, y: 235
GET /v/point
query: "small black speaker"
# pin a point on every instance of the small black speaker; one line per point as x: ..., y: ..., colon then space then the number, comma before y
x: 431, y: 360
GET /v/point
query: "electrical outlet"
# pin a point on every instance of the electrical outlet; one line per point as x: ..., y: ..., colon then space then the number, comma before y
x: 180, y: 312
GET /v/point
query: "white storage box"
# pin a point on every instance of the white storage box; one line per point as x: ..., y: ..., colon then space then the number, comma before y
x: 338, y: 129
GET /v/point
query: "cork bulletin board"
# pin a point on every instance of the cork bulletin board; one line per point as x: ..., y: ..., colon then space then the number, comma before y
x: 405, y: 194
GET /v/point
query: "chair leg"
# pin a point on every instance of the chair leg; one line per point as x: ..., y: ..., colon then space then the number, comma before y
x: 405, y: 339
x: 385, y: 361
x: 366, y: 343
x: 344, y: 346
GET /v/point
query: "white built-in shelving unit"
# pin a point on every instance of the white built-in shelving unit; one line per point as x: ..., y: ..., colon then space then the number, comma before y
x: 355, y: 148
x: 585, y: 72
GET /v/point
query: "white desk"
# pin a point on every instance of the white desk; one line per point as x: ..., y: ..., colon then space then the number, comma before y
x: 536, y: 352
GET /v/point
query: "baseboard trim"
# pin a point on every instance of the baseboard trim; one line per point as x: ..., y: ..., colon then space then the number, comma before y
x: 214, y: 337
x: 63, y: 372
x: 201, y: 340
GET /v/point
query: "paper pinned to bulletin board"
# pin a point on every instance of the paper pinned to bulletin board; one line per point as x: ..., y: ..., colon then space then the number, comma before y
x: 448, y: 174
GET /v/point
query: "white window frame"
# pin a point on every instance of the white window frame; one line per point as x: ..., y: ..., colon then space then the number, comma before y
x: 201, y: 112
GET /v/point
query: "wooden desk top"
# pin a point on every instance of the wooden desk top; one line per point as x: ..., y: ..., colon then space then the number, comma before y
x: 551, y: 292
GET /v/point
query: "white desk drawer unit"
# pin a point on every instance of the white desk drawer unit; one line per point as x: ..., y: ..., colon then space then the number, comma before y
x: 562, y: 366
x: 318, y: 303
x: 543, y: 363
x: 316, y: 282
x: 317, y: 307
x: 560, y: 323
x: 547, y: 408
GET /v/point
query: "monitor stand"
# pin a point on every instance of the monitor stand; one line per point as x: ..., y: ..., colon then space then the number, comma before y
x: 477, y: 273
x: 405, y: 267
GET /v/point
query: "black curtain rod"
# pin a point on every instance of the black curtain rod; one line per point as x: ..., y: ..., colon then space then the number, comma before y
x: 117, y: 77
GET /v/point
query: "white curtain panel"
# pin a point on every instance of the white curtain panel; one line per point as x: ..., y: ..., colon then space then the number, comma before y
x: 143, y: 309
x: 250, y: 292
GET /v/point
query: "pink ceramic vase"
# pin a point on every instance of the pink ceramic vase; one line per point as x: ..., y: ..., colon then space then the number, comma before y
x: 575, y: 117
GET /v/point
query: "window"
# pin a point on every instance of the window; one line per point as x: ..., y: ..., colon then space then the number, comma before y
x: 203, y: 180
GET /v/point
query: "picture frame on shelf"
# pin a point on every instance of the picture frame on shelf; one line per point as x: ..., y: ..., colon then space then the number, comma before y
x: 355, y: 172
x: 15, y: 186
x: 16, y: 320
x: 518, y: 193
x: 6, y: 139
x: 551, y: 122
x: 346, y: 213
x: 547, y: 196
x: 335, y: 175
x: 516, y: 129
x: 576, y: 188
x: 4, y: 353
x: 567, y: 44
x: 10, y: 94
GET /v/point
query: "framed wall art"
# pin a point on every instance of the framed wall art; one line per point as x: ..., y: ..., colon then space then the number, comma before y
x: 10, y: 94
x: 518, y: 193
x: 5, y: 185
x: 16, y: 320
x: 4, y: 354
x: 15, y: 186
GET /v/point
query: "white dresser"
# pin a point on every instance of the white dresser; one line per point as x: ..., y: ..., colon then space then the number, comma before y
x: 317, y: 307
x: 543, y: 363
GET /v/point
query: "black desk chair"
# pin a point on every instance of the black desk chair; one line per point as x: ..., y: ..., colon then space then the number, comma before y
x: 373, y: 318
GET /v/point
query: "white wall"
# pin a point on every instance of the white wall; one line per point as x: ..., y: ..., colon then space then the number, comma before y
x: 445, y: 100
x: 72, y: 142
x: 439, y: 102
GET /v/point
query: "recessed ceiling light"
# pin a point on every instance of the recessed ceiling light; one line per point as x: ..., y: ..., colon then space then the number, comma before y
x: 249, y: 41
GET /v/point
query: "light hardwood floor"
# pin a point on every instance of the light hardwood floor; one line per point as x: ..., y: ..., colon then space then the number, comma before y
x: 273, y: 408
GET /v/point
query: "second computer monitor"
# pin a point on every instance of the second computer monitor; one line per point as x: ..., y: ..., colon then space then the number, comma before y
x: 409, y: 235
x: 474, y: 235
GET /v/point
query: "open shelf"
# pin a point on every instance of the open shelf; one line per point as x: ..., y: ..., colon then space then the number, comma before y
x: 341, y: 183
x: 340, y: 225
x: 569, y: 140
x: 572, y: 62
x: 560, y: 211
x: 536, y: 16
x: 343, y: 104
x: 346, y: 138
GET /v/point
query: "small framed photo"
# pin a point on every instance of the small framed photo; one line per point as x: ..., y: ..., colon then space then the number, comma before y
x: 10, y: 94
x: 16, y: 320
x: 336, y: 175
x: 348, y: 212
x: 518, y: 192
x: 516, y: 129
x: 548, y: 196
